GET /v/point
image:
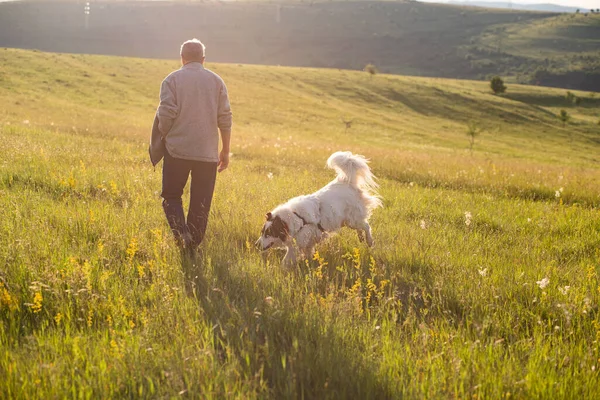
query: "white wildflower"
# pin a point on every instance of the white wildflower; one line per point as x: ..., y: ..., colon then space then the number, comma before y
x: 468, y: 217
x: 564, y: 290
x: 483, y: 272
x: 270, y: 175
x: 557, y: 194
x: 543, y: 283
x: 423, y: 224
x: 586, y: 305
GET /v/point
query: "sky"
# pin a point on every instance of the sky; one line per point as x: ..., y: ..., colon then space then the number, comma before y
x: 571, y: 3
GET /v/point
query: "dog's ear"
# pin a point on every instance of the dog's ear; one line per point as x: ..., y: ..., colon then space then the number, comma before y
x: 280, y: 229
x: 269, y: 216
x: 281, y: 223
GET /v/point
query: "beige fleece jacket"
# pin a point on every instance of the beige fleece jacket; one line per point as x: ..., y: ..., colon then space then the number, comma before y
x: 193, y: 105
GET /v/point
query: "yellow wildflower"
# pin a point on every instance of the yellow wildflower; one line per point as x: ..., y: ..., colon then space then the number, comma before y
x: 132, y: 248
x: 6, y: 299
x: 90, y: 318
x: 38, y: 299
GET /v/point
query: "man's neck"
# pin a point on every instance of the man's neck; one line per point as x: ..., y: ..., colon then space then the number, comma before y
x: 193, y: 62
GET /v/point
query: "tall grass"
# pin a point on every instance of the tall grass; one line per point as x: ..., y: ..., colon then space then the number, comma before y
x: 483, y: 281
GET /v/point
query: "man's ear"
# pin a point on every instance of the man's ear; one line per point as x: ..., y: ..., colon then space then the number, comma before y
x: 269, y: 216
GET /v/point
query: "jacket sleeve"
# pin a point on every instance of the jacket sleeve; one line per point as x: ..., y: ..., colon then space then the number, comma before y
x: 224, y: 118
x: 168, y: 108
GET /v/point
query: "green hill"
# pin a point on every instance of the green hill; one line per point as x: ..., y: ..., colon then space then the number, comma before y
x: 483, y: 281
x: 408, y: 38
x: 557, y: 51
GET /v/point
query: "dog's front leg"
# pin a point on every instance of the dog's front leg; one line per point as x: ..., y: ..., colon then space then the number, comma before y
x: 308, y: 252
x: 290, y: 256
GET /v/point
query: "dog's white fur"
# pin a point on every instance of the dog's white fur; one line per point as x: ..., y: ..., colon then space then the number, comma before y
x: 348, y: 200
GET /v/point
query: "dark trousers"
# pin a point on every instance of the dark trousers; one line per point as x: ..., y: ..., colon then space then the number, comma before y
x: 175, y: 175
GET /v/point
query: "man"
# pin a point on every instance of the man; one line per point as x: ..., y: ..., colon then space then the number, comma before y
x: 193, y: 106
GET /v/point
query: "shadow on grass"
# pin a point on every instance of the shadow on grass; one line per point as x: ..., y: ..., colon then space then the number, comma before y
x: 552, y: 100
x: 291, y: 352
x: 514, y: 191
x: 435, y: 102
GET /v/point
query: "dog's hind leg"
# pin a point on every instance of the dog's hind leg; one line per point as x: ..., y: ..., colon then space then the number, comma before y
x: 367, y: 231
x: 364, y: 232
x: 361, y: 235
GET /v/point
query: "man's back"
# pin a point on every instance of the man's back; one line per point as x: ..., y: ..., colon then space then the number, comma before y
x: 194, y: 105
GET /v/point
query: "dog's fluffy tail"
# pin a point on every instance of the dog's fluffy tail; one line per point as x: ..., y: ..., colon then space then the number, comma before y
x: 354, y: 170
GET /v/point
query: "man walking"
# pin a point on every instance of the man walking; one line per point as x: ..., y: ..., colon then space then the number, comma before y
x: 194, y: 106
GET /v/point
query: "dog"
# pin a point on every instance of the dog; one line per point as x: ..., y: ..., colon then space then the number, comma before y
x: 304, y: 221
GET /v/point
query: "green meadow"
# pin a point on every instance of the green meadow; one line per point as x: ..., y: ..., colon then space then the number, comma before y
x: 483, y: 281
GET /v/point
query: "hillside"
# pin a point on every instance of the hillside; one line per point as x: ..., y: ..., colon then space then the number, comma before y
x: 483, y: 281
x: 559, y: 51
x: 407, y: 38
x: 393, y: 106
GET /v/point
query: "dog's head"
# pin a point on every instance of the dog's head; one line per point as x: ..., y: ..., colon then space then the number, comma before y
x: 275, y: 233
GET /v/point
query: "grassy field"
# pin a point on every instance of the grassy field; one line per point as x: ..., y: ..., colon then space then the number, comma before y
x: 483, y: 282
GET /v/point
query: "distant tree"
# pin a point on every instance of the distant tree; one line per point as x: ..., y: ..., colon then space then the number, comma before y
x: 578, y: 11
x: 473, y: 130
x: 371, y: 69
x: 572, y: 98
x: 564, y: 117
x: 497, y: 85
x: 347, y: 123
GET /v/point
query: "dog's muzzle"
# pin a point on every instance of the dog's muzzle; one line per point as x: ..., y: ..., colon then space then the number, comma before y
x: 260, y: 247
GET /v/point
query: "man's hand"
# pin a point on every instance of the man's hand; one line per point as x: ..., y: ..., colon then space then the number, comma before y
x: 223, y: 161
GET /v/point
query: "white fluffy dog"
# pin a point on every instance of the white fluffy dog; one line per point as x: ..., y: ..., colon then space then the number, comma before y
x: 304, y: 221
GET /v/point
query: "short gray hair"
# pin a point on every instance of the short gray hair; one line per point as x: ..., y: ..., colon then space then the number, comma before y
x: 192, y: 50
